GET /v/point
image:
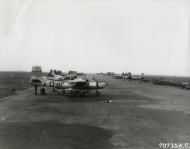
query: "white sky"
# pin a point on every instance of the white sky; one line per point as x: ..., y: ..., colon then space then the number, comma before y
x: 150, y: 36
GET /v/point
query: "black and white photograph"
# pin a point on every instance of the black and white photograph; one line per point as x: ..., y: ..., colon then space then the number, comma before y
x: 94, y: 74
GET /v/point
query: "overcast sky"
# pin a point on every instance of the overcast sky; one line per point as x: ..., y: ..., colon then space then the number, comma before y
x: 150, y: 36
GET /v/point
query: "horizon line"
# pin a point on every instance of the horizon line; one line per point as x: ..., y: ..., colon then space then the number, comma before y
x: 146, y: 74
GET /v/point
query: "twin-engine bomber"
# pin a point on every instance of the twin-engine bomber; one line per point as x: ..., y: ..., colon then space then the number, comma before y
x: 71, y: 84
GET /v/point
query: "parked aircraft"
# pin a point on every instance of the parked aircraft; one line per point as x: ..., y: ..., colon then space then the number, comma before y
x: 183, y: 85
x: 130, y: 77
x: 69, y: 84
x: 118, y: 76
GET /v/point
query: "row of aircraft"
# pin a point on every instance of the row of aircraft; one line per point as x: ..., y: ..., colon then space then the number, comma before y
x: 71, y: 84
x: 155, y: 81
x: 130, y: 77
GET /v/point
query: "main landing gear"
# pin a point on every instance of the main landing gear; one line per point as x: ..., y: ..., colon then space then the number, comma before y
x: 97, y: 93
x: 42, y: 90
x: 36, y: 89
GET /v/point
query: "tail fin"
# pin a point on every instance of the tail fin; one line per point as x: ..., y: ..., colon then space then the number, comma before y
x: 36, y: 75
x: 37, y: 71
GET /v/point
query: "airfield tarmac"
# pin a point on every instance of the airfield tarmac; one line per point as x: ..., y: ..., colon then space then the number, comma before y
x: 140, y: 116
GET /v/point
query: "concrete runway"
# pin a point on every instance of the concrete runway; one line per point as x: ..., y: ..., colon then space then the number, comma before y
x: 140, y: 116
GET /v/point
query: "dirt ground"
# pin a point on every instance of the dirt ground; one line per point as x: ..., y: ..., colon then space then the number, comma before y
x: 140, y: 116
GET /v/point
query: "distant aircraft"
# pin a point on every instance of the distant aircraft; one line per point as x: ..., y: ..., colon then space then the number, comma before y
x: 118, y: 76
x: 71, y: 84
x: 183, y: 85
x: 131, y: 77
